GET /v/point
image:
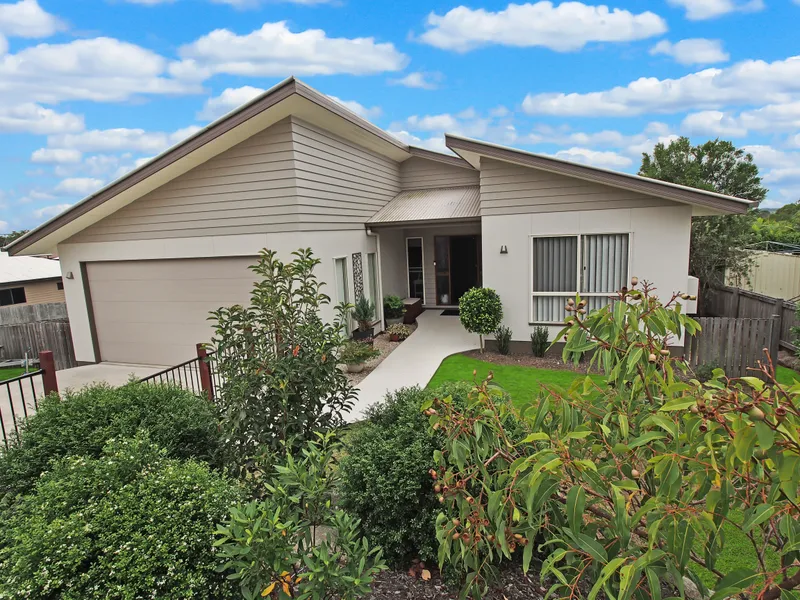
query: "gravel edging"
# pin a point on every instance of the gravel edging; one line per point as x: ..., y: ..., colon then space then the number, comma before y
x: 381, y: 343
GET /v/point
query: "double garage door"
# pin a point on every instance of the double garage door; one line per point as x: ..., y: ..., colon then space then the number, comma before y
x: 154, y: 312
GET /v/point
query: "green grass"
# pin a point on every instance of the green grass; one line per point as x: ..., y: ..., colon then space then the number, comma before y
x: 11, y: 372
x: 520, y: 382
x: 786, y: 376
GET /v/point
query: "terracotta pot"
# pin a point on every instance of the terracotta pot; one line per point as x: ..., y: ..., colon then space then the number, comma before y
x: 355, y: 368
x: 394, y: 337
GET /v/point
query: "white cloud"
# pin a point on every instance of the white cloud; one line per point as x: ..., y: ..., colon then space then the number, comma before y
x: 693, y: 51
x: 595, y: 158
x: 4, y: 227
x: 99, y: 69
x: 627, y: 145
x: 274, y: 51
x: 33, y: 118
x: 358, y: 108
x: 564, y: 28
x: 712, y: 122
x: 698, y: 10
x: 149, y: 2
x: 242, y: 4
x: 769, y: 118
x: 27, y: 19
x: 435, y: 143
x: 443, y: 122
x: 419, y: 79
x: 56, y: 156
x: 78, y: 186
x: 229, y: 99
x: 120, y: 139
x: 742, y: 83
x: 48, y: 212
x: 127, y: 168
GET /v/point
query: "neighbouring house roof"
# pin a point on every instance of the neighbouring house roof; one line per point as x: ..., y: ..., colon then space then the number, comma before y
x: 472, y: 151
x: 19, y: 269
x: 413, y: 206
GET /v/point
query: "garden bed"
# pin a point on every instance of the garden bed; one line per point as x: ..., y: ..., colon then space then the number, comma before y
x: 528, y: 360
x: 385, y: 347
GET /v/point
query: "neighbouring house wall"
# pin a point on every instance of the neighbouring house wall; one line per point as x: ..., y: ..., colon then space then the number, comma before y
x: 772, y: 274
x: 508, y: 189
x: 339, y: 184
x: 659, y: 251
x: 393, y: 256
x: 39, y: 292
x: 418, y: 173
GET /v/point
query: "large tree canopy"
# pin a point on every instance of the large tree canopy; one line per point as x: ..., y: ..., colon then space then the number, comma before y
x: 718, y: 243
x: 7, y: 238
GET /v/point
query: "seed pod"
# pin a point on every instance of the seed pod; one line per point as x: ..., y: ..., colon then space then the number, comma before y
x: 651, y: 358
x: 665, y: 352
x: 635, y: 474
x: 441, y: 499
x: 684, y: 296
x: 703, y: 427
x: 634, y: 281
x: 437, y: 488
x: 570, y: 302
x: 456, y: 535
x: 756, y: 414
x: 780, y: 413
x: 433, y: 473
x: 456, y: 522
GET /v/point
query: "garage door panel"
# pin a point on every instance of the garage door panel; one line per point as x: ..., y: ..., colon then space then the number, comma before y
x: 156, y: 311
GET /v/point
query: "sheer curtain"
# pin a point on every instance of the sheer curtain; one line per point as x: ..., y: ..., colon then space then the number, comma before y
x: 555, y: 269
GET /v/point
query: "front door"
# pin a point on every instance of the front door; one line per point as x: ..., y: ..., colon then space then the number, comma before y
x: 458, y: 266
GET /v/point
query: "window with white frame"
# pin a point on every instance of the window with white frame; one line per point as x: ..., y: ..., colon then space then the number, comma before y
x: 595, y: 266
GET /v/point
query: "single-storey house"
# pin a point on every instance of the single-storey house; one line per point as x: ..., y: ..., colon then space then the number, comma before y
x: 29, y: 280
x: 147, y: 257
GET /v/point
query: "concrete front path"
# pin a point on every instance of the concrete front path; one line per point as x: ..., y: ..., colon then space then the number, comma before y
x: 415, y: 360
x: 17, y: 400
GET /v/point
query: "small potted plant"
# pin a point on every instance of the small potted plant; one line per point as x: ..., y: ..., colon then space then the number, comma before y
x: 354, y: 354
x: 393, y: 309
x: 364, y: 313
x: 398, y: 332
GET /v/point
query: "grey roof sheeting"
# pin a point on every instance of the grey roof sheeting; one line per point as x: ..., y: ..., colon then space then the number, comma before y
x: 430, y: 205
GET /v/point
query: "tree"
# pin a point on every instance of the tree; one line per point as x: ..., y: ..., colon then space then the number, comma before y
x: 718, y: 243
x: 480, y: 311
x: 7, y: 238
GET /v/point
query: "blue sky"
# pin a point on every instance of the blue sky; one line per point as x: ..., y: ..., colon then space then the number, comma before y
x: 91, y: 88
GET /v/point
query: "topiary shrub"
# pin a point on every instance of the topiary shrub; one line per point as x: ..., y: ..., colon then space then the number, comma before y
x: 129, y: 524
x: 385, y: 480
x: 480, y: 311
x: 503, y: 338
x: 82, y: 422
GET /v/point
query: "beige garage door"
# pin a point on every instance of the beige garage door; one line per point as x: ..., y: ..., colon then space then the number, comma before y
x: 155, y: 311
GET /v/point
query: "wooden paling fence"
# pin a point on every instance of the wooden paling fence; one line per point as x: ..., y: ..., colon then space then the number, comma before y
x: 33, y: 328
x: 733, y: 345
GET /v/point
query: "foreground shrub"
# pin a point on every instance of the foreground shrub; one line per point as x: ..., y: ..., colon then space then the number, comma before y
x: 276, y: 360
x: 294, y: 544
x: 385, y: 480
x: 129, y: 524
x: 480, y: 311
x: 624, y: 488
x: 82, y: 422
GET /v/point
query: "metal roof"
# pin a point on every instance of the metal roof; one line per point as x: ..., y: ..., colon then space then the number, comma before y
x: 430, y: 205
x: 27, y: 268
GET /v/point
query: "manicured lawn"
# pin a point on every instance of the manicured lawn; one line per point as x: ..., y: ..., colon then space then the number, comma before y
x: 786, y: 376
x: 11, y: 372
x: 522, y: 383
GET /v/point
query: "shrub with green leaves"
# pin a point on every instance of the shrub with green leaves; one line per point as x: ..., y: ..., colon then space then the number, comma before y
x: 385, y: 480
x: 503, y: 338
x: 131, y: 523
x: 293, y: 544
x: 623, y: 488
x: 480, y: 311
x: 393, y: 306
x: 80, y: 423
x: 539, y: 341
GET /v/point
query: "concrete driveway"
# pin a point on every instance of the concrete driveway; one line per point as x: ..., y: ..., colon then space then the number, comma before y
x: 16, y: 400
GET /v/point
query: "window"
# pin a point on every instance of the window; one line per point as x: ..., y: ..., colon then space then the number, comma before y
x: 12, y: 296
x: 595, y: 266
x: 372, y: 273
x: 60, y: 285
x: 342, y: 290
x: 416, y: 271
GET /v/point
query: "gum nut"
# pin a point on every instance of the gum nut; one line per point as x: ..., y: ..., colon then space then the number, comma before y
x: 634, y: 281
x: 570, y: 301
x: 651, y: 358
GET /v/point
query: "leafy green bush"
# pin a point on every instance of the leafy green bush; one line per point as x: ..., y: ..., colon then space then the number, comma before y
x: 80, y: 423
x: 129, y: 524
x: 393, y: 307
x: 364, y: 313
x: 503, y: 338
x: 539, y: 341
x: 705, y: 371
x: 385, y: 480
x: 355, y: 353
x: 276, y: 360
x: 480, y: 311
x: 399, y: 330
x: 293, y: 544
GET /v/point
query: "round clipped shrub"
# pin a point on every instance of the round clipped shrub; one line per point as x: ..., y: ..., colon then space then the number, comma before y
x: 385, y: 480
x: 480, y: 311
x: 130, y: 524
x: 80, y: 423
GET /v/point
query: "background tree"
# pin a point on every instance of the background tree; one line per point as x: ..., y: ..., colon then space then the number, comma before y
x: 7, y: 238
x: 718, y: 243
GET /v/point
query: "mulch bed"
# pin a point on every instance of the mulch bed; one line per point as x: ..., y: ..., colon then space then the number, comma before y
x: 399, y: 585
x: 528, y: 360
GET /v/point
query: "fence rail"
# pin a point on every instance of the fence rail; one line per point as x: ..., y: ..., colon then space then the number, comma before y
x: 735, y: 303
x: 734, y: 345
x: 19, y: 396
x: 197, y: 374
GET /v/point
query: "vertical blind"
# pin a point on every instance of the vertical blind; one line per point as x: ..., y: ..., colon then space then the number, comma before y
x: 603, y: 268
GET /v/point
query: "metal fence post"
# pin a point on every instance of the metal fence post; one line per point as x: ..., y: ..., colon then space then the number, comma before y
x: 205, y: 372
x: 48, y: 366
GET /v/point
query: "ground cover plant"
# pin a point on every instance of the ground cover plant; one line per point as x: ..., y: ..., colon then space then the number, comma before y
x: 81, y: 423
x: 621, y: 489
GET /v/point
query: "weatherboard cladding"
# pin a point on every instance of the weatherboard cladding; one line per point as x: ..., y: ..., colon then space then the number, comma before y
x: 431, y: 205
x: 418, y: 173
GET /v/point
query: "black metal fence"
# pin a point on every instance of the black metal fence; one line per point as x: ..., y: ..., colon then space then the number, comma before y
x: 19, y: 397
x: 198, y: 374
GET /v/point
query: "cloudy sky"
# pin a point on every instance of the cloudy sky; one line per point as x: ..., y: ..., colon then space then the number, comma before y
x: 91, y: 88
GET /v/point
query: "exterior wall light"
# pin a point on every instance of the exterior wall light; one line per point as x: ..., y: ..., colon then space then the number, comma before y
x: 503, y: 249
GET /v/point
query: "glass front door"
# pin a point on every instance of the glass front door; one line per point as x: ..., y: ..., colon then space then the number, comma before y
x: 416, y: 270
